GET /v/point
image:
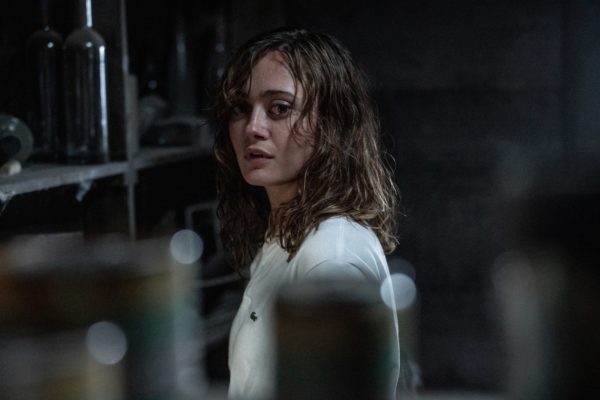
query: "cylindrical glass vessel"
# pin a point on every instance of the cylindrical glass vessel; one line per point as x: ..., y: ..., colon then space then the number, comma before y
x: 44, y: 56
x: 86, y: 103
x: 334, y: 339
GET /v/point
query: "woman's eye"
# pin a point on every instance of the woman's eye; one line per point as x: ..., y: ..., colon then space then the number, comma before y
x: 280, y: 109
x: 238, y: 110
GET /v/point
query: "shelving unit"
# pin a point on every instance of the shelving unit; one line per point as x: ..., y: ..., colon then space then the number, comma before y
x: 37, y: 177
x: 43, y: 177
x: 145, y: 195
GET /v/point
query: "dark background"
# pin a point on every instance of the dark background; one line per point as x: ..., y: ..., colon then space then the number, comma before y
x: 465, y: 90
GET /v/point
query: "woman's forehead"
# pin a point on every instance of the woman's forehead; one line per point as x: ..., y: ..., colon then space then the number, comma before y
x: 270, y: 72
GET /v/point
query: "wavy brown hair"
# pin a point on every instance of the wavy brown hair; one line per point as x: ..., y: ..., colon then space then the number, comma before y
x: 347, y: 174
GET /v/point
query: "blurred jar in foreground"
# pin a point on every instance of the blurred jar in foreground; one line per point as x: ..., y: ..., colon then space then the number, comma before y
x: 50, y: 284
x: 548, y: 282
x: 58, y: 366
x: 334, y: 340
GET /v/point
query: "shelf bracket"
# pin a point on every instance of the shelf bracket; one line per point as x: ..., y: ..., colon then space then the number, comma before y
x: 83, y: 189
x: 5, y: 198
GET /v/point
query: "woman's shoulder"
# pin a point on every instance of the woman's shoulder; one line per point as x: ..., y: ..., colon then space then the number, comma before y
x: 342, y: 231
x: 340, y: 244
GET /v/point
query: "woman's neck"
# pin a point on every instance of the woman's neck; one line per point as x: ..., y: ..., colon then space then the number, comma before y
x: 281, y: 194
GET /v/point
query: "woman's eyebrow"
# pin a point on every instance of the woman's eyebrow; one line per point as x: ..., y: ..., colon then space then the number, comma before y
x: 276, y: 92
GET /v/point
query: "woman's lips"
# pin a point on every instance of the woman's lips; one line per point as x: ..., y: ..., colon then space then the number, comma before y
x: 257, y: 154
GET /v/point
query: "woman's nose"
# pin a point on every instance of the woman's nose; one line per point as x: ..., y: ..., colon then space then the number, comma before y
x: 256, y: 125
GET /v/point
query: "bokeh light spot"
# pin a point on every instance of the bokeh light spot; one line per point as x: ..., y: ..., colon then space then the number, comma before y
x: 106, y: 342
x: 186, y: 246
x: 398, y: 291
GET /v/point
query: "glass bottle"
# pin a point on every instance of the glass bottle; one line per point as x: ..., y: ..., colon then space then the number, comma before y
x: 181, y: 96
x: 216, y: 60
x: 86, y: 106
x: 44, y: 59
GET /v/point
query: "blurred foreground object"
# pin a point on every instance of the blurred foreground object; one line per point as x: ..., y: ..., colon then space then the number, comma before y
x: 58, y: 283
x: 333, y: 341
x: 548, y: 281
x: 57, y: 366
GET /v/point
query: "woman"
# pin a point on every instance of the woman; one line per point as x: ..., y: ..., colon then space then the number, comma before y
x: 303, y: 190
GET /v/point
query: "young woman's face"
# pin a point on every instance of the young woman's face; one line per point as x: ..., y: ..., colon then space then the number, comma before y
x: 260, y: 130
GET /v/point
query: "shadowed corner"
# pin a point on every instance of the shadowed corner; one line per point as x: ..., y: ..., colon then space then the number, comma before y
x: 548, y: 282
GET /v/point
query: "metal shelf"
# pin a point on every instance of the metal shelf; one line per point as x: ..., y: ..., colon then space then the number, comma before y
x: 38, y: 177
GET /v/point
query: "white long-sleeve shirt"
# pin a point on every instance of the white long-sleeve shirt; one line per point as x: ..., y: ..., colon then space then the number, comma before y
x: 339, y: 248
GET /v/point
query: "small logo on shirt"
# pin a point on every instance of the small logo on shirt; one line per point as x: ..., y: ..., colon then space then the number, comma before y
x: 253, y: 316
